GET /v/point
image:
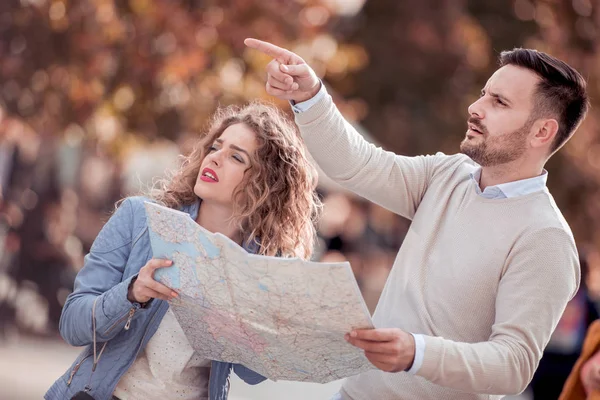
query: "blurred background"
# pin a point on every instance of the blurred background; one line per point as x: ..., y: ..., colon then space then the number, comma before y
x: 97, y: 97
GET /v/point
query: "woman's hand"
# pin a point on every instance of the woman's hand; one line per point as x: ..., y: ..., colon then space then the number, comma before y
x: 145, y: 287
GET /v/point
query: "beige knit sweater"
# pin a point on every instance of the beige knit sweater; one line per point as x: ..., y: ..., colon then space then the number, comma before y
x: 485, y: 281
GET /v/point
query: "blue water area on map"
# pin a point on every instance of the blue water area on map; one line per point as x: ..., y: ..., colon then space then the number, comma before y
x: 167, y: 250
x: 162, y: 249
x: 211, y: 250
x: 263, y: 287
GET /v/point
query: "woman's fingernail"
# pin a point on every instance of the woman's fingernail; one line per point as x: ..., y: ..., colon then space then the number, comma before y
x: 174, y: 294
x: 284, y: 68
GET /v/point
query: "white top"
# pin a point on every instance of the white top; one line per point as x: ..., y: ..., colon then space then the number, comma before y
x: 167, y: 369
x: 484, y: 281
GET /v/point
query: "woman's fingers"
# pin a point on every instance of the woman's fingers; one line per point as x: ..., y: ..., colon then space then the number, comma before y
x: 155, y: 264
x: 150, y: 293
x: 145, y: 286
x: 160, y: 288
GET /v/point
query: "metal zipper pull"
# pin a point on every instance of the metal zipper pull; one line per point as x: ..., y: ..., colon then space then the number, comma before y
x: 128, y: 323
x: 72, y: 375
x: 75, y: 369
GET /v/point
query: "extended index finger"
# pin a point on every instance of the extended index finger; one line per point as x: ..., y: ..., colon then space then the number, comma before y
x: 269, y: 48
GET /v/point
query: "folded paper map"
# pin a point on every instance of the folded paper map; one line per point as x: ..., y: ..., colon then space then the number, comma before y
x: 284, y: 318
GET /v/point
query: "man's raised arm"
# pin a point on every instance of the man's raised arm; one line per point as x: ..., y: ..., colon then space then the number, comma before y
x: 395, y: 182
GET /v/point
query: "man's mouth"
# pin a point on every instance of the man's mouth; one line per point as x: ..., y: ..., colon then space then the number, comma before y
x: 475, y: 129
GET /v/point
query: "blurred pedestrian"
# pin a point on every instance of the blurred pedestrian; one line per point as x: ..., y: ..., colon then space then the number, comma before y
x: 584, y: 381
x: 566, y: 341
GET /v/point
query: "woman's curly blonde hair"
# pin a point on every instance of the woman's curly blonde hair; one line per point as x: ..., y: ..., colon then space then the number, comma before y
x: 275, y: 205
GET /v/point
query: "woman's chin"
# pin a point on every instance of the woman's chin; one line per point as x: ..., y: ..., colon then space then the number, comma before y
x: 200, y: 191
x: 207, y: 196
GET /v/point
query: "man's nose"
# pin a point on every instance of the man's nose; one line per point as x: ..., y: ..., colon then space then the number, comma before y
x: 476, y: 109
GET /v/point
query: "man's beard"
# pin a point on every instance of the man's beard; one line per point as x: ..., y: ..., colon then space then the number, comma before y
x: 496, y: 150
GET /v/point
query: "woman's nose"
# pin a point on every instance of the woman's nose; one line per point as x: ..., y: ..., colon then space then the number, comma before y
x: 215, y: 157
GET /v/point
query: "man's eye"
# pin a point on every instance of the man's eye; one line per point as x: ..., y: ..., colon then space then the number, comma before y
x: 211, y: 149
x: 500, y: 102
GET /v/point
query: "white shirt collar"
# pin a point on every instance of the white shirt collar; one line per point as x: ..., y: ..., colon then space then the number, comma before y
x: 511, y: 189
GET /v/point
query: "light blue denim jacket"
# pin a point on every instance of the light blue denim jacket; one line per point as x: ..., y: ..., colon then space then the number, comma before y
x: 121, y: 249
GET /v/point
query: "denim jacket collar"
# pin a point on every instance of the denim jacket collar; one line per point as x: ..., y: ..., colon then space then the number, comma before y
x: 193, y: 209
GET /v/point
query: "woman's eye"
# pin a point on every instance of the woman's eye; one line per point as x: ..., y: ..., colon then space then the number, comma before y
x: 238, y: 158
x: 500, y: 102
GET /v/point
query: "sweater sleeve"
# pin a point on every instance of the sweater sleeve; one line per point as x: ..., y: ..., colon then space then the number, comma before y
x: 395, y: 182
x: 541, y: 275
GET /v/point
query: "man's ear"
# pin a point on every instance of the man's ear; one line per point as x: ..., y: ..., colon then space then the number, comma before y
x: 545, y: 132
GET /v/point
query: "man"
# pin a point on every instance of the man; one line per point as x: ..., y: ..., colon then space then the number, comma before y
x: 489, y: 263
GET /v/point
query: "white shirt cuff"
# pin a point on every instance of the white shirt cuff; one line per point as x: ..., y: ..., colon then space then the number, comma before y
x: 419, y: 354
x: 305, y: 105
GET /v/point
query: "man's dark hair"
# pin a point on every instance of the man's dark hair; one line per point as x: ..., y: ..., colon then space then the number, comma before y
x: 561, y: 93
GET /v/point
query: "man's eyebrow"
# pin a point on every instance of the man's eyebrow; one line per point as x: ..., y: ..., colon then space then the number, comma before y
x: 497, y: 96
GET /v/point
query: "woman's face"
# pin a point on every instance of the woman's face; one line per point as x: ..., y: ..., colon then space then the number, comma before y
x: 224, y: 166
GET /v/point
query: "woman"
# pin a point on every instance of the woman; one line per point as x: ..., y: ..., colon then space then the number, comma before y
x: 248, y: 179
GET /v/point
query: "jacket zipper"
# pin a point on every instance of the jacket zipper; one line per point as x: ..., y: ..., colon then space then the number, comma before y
x: 76, y: 368
x: 128, y: 323
x: 127, y: 316
x: 130, y: 315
